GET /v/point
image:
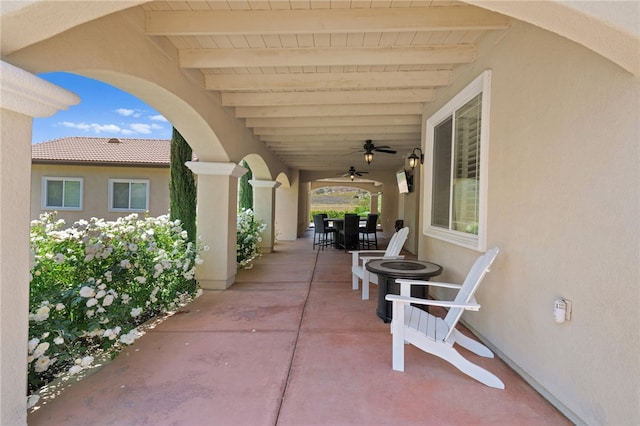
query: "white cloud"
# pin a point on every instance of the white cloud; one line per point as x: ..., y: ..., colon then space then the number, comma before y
x: 93, y: 127
x: 158, y: 117
x: 126, y: 112
x: 142, y: 128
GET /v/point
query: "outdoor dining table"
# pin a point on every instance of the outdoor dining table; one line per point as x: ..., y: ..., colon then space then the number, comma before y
x: 338, y: 224
x: 388, y: 270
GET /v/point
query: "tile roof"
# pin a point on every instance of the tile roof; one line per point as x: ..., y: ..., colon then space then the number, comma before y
x: 103, y: 151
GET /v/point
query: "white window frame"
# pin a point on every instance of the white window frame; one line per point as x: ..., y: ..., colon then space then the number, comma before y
x: 482, y: 84
x: 45, y: 190
x: 129, y: 181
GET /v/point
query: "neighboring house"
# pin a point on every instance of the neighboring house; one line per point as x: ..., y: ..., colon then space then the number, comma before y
x: 84, y: 177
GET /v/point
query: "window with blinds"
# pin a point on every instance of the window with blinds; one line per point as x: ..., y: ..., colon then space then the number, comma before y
x: 456, y: 185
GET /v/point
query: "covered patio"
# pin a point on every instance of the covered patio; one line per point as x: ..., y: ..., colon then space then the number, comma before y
x: 295, y: 88
x: 289, y: 344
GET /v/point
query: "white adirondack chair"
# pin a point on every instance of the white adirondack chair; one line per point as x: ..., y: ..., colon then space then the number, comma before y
x: 436, y: 335
x: 361, y: 257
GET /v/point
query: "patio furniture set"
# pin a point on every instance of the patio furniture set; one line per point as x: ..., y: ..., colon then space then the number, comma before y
x: 348, y: 232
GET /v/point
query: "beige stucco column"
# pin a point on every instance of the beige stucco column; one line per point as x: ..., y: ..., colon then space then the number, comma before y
x: 217, y: 213
x: 373, y: 203
x: 22, y: 97
x: 264, y: 209
x: 287, y: 211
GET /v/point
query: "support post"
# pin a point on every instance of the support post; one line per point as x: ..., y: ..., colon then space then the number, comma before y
x: 264, y: 208
x: 216, y: 219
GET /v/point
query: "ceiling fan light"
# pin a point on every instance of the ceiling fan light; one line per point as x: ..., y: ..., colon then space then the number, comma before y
x: 368, y: 157
x: 352, y: 176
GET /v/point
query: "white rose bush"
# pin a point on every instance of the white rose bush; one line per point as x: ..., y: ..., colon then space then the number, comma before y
x: 93, y: 284
x: 248, y: 237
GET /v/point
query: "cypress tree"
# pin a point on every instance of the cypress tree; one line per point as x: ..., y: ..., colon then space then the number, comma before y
x: 182, y: 186
x: 245, y: 195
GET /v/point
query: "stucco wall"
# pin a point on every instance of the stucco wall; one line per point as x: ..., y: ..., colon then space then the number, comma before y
x: 96, y: 189
x: 563, y: 205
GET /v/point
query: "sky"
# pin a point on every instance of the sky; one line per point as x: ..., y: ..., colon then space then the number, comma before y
x: 104, y: 111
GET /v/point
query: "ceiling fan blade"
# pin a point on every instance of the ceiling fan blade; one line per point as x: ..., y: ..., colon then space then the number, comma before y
x: 386, y: 151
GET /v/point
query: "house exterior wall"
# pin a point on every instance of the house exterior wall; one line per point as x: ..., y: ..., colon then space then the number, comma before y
x: 563, y: 206
x: 96, y: 189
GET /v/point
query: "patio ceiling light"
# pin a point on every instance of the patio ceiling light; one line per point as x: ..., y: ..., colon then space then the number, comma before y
x: 413, y: 158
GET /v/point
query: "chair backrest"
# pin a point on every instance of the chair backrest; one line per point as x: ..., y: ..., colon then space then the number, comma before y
x: 469, y: 286
x: 351, y: 224
x: 397, y: 242
x: 318, y: 222
x: 372, y: 223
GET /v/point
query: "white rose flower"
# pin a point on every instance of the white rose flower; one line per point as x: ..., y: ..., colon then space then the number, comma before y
x: 87, y: 292
x: 92, y: 302
x: 41, y: 349
x: 42, y: 314
x: 58, y: 340
x: 133, y: 247
x: 42, y: 364
x: 33, y: 343
x: 32, y: 400
x: 136, y: 312
x: 108, y: 300
x: 75, y: 369
x: 90, y: 313
x: 110, y: 334
x: 59, y: 307
x: 100, y: 294
x: 86, y: 361
x: 141, y: 280
x: 45, y: 335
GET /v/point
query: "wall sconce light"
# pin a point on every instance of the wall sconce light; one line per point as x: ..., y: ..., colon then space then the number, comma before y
x: 413, y: 158
x: 368, y: 156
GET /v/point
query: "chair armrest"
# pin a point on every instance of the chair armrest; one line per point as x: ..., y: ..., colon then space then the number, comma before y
x: 430, y: 283
x: 367, y: 251
x: 441, y: 303
x: 369, y: 258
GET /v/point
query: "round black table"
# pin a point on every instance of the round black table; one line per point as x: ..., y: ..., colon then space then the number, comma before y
x: 388, y: 270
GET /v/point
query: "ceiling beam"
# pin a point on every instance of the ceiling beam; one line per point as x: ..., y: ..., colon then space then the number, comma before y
x: 335, y: 130
x: 330, y: 110
x: 327, y: 97
x: 322, y: 21
x: 332, y: 56
x: 283, y: 140
x: 367, y: 120
x: 343, y: 80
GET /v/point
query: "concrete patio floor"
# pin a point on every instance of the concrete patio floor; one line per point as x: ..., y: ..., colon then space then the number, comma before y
x: 288, y: 344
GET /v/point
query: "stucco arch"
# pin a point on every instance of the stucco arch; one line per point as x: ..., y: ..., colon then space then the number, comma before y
x: 191, y: 125
x: 283, y: 180
x: 610, y: 32
x: 259, y: 168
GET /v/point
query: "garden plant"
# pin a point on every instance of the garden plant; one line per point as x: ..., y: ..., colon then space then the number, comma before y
x: 92, y: 286
x: 94, y: 283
